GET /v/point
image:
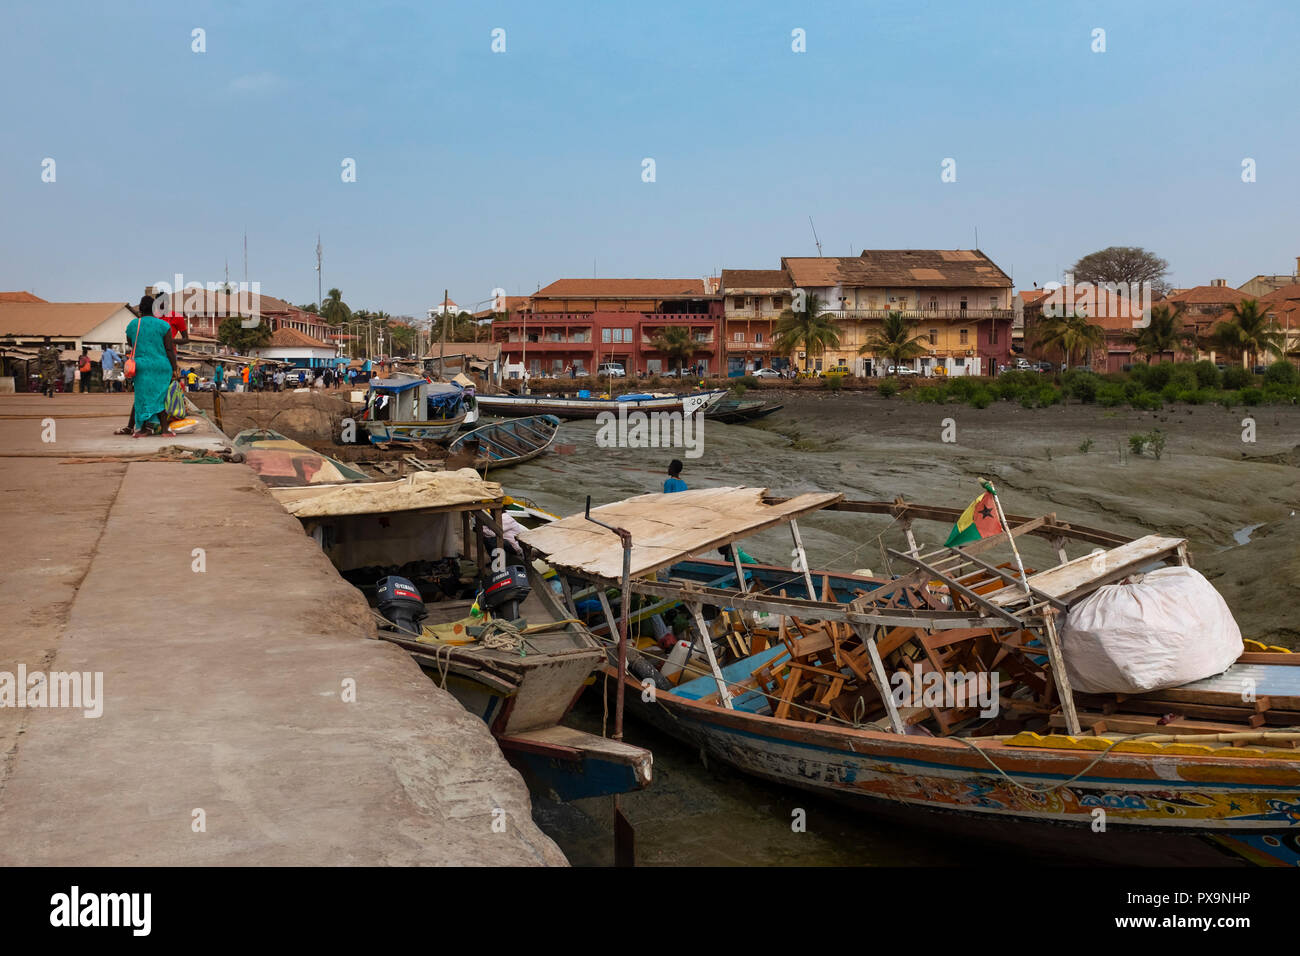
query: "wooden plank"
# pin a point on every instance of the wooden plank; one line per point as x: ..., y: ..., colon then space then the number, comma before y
x: 1090, y: 571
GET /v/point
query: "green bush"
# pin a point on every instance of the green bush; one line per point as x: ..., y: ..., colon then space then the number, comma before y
x: 1111, y: 394
x: 834, y: 381
x: 1081, y: 384
x: 982, y: 397
x: 1146, y: 401
x: 929, y: 394
x: 889, y: 388
x: 1047, y: 395
x: 1207, y: 374
x: 1281, y: 373
x: 1152, y: 441
x: 1251, y: 396
x: 1028, y: 400
x: 1229, y: 399
x: 1085, y: 445
x: 1236, y: 377
x: 1153, y: 377
x: 1195, y: 396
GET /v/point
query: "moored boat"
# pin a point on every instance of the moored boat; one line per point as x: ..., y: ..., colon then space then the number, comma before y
x: 410, y: 408
x: 574, y: 407
x: 509, y: 442
x: 735, y: 411
x: 499, y: 650
x: 813, y: 679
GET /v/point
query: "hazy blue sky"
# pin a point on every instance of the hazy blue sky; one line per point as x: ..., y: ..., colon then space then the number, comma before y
x: 477, y: 169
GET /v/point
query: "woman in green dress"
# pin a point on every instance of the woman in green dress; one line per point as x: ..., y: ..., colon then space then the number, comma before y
x: 155, y: 367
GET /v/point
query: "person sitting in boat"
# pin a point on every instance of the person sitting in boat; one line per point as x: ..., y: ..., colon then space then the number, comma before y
x: 674, y: 481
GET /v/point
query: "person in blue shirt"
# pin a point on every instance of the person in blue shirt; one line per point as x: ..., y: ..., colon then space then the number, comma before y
x: 674, y: 481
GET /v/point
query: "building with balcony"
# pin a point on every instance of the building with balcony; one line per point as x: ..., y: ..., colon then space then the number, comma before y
x: 1117, y: 314
x: 957, y: 299
x: 752, y: 303
x: 579, y: 324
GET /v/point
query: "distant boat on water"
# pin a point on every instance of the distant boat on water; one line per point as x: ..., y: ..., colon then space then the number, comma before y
x: 586, y: 406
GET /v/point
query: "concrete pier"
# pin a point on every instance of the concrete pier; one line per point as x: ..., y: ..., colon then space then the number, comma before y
x: 229, y: 649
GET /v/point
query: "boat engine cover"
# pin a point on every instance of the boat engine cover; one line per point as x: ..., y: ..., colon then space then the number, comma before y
x: 400, y: 603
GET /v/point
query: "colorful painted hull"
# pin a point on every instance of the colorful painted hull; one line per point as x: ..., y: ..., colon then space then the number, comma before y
x: 1166, y: 791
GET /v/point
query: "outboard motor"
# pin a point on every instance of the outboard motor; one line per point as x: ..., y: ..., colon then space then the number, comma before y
x: 503, y: 591
x: 400, y: 604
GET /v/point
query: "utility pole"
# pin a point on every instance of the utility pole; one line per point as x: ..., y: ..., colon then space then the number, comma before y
x: 442, y: 344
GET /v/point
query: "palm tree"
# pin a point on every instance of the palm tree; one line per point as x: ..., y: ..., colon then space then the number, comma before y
x: 894, y: 341
x: 1164, y: 333
x: 1071, y: 333
x: 675, y: 342
x: 811, y: 329
x: 1249, y: 332
x: 334, y: 310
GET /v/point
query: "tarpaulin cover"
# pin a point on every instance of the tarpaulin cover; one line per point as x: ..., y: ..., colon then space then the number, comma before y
x: 1163, y: 629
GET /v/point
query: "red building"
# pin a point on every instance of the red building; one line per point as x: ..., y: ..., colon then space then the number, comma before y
x: 583, y: 323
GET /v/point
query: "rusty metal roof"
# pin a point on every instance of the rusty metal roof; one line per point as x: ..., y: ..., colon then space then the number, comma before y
x: 899, y: 268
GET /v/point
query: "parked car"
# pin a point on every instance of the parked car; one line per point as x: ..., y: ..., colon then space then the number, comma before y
x: 766, y: 373
x: 902, y: 370
x: 611, y: 370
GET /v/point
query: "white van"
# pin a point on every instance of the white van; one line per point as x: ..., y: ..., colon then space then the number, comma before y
x: 612, y: 370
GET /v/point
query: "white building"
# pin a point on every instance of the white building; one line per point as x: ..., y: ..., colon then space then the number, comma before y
x: 299, y: 349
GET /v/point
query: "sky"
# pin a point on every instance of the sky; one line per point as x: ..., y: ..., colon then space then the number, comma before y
x: 477, y: 169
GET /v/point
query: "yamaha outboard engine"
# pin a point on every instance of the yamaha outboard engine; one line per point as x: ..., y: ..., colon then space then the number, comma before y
x: 400, y: 604
x: 503, y: 591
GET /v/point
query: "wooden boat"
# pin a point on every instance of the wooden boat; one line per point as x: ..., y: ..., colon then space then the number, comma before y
x: 735, y: 411
x: 521, y: 692
x: 570, y: 407
x: 406, y: 408
x: 281, y: 462
x: 509, y: 442
x: 797, y: 673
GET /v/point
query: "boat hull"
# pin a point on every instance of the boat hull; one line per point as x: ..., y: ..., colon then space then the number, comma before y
x: 383, y: 432
x: 515, y: 406
x: 1156, y: 809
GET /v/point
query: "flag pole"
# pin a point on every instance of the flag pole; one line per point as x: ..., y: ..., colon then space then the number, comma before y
x: 1020, y: 565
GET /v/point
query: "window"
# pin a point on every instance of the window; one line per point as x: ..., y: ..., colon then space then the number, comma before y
x: 993, y: 302
x: 963, y: 303
x: 934, y: 303
x: 758, y: 338
x: 738, y: 336
x: 778, y: 302
x: 934, y: 336
x: 738, y: 302
x: 604, y: 335
x: 557, y: 367
x: 627, y: 335
x: 964, y: 333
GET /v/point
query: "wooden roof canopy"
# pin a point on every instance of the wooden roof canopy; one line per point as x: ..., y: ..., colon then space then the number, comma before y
x: 665, y: 528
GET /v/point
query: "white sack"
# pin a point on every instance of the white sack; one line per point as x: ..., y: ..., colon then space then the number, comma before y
x: 1167, y: 628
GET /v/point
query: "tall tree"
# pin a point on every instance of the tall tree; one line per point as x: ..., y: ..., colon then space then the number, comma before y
x: 1070, y: 334
x: 894, y: 341
x: 1126, y: 264
x: 334, y: 310
x: 811, y: 329
x: 231, y: 332
x: 1164, y: 333
x: 675, y: 342
x: 1248, y: 333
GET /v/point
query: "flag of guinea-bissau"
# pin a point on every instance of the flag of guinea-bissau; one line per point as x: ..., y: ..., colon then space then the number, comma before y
x: 978, y: 521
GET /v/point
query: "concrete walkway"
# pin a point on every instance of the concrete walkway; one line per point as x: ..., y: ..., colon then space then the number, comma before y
x: 223, y: 689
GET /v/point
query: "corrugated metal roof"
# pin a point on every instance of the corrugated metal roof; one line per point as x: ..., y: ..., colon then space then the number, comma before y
x: 899, y: 268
